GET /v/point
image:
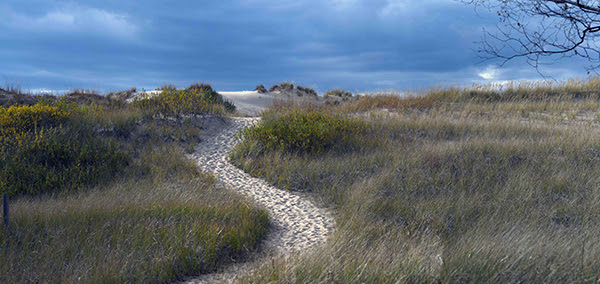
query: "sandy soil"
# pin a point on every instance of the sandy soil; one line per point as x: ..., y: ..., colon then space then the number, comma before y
x: 297, y: 225
x: 250, y: 103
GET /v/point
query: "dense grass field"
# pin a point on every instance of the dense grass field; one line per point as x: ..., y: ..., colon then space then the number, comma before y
x: 482, y: 184
x: 101, y: 191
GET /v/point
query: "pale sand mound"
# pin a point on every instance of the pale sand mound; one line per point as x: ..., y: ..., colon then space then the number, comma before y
x: 297, y: 225
x: 250, y: 103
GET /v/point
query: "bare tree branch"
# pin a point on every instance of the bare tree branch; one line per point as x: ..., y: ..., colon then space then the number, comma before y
x: 542, y: 31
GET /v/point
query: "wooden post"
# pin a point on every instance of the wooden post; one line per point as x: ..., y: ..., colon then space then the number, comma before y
x: 5, y: 209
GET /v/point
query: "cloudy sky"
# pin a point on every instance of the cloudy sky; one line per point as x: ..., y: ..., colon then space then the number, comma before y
x: 358, y: 45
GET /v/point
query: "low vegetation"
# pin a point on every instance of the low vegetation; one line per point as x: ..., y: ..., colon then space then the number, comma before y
x: 46, y: 148
x: 389, y: 101
x: 194, y: 100
x: 285, y: 86
x: 303, y: 131
x: 101, y: 191
x: 290, y: 89
x: 261, y: 89
x: 306, y: 91
x: 131, y: 231
x: 452, y: 186
x: 337, y: 93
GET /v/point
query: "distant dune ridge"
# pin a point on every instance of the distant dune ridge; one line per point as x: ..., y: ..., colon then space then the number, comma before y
x: 249, y: 103
x: 10, y: 97
x: 16, y: 97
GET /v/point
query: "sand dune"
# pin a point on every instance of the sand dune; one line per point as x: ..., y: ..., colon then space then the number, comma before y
x: 250, y: 103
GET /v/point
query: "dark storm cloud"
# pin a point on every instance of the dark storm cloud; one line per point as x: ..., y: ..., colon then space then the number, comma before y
x: 234, y: 45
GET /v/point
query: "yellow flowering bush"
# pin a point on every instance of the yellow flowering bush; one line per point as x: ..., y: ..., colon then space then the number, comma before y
x: 45, y: 147
x: 25, y: 118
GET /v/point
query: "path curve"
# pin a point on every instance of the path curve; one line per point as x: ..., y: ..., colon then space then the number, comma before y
x: 296, y: 224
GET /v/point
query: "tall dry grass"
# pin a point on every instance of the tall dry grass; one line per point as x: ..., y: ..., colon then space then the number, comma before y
x: 133, y: 231
x: 461, y: 191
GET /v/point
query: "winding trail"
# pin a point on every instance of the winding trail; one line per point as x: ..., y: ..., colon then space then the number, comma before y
x: 296, y: 223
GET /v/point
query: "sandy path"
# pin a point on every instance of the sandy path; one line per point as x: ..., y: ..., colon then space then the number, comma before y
x: 296, y: 223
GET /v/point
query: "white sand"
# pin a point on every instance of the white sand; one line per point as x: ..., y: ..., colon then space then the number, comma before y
x: 249, y: 103
x: 137, y: 95
x: 297, y: 225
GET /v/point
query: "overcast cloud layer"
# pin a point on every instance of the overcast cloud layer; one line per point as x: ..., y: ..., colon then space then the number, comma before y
x: 359, y: 45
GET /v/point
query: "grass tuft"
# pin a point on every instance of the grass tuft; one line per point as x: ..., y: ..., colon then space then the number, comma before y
x: 197, y: 99
x: 303, y: 130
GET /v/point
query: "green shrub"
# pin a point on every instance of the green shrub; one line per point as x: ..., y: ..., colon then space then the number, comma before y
x: 283, y: 87
x: 200, y: 87
x: 307, y: 90
x: 197, y: 99
x: 343, y: 94
x: 26, y: 118
x: 261, y: 89
x: 304, y: 130
x: 47, y: 147
x: 289, y: 88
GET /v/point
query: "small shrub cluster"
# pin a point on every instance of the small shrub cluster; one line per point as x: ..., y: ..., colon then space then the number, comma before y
x: 261, y: 89
x: 283, y: 87
x: 289, y: 88
x: 26, y: 118
x: 196, y: 99
x: 343, y: 94
x: 307, y: 91
x: 304, y: 130
x: 45, y: 148
x: 198, y: 87
x: 47, y: 161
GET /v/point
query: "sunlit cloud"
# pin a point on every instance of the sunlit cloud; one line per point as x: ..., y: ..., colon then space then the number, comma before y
x: 490, y: 73
x: 72, y: 19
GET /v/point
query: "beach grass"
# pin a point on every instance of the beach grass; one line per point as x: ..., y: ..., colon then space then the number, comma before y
x: 101, y: 191
x: 447, y: 186
x: 133, y: 231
